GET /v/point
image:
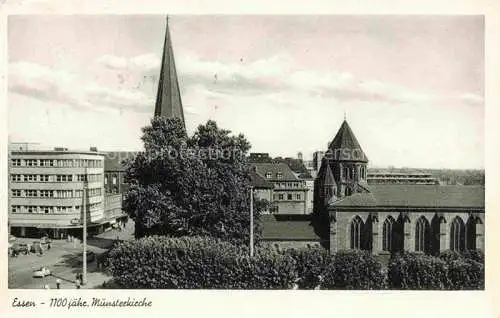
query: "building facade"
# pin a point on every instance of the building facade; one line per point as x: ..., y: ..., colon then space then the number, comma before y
x: 289, y: 193
x: 114, y: 171
x: 48, y: 190
x: 401, y: 178
x: 262, y: 189
x: 388, y: 218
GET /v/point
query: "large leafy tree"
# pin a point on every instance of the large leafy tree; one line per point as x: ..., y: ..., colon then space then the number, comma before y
x: 191, y: 186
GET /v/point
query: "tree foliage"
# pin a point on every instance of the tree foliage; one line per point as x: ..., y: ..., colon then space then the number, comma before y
x: 194, y: 186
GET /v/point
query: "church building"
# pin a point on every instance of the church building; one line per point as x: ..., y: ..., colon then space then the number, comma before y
x: 385, y: 218
x: 348, y: 212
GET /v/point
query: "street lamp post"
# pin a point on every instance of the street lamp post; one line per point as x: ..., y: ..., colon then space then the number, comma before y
x: 251, y: 221
x: 84, y: 275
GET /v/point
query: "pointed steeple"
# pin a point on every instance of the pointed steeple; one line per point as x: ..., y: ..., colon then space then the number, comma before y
x: 345, y: 146
x: 168, y: 98
x: 329, y: 179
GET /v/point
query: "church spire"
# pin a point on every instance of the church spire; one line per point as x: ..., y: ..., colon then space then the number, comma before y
x: 168, y: 98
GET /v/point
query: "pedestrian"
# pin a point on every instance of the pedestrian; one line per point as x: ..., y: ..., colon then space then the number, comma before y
x: 48, y: 246
x: 77, y: 284
x: 58, y: 283
x: 320, y: 281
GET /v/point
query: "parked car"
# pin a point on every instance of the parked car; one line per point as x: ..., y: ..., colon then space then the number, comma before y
x: 42, y: 272
x: 21, y: 248
x: 90, y: 257
x: 12, y: 238
x: 45, y: 240
x: 36, y: 246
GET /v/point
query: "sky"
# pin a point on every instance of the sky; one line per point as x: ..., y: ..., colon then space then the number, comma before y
x: 411, y: 87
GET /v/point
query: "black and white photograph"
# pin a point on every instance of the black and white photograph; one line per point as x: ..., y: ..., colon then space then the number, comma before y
x: 289, y: 160
x: 332, y: 152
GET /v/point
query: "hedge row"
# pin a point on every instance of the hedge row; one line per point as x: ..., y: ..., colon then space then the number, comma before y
x: 449, y: 271
x: 206, y: 263
x: 189, y: 263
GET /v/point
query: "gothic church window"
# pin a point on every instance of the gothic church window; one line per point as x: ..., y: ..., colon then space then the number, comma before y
x: 457, y: 235
x: 422, y: 235
x: 471, y: 233
x: 387, y: 234
x: 356, y: 232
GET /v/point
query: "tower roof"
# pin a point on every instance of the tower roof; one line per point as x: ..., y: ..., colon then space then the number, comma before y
x: 168, y: 98
x: 345, y: 146
x: 329, y: 179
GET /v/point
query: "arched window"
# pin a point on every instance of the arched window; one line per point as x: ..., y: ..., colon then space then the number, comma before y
x: 346, y: 173
x: 387, y: 234
x: 470, y: 235
x: 356, y: 232
x: 422, y: 229
x: 347, y: 192
x: 457, y: 235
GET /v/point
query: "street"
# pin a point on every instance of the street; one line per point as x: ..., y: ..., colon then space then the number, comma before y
x: 62, y: 260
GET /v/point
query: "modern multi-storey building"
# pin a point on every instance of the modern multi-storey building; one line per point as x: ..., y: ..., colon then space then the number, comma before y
x: 51, y: 190
x: 401, y: 178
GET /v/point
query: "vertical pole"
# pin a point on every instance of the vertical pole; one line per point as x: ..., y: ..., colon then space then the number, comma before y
x: 251, y: 221
x: 84, y: 276
x: 9, y: 180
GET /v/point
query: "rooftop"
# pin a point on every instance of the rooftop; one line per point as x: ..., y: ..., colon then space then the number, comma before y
x: 259, y: 182
x: 280, y: 229
x: 410, y: 195
x: 345, y: 146
x: 274, y: 170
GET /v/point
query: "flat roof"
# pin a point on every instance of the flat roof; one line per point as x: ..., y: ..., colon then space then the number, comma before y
x: 56, y: 152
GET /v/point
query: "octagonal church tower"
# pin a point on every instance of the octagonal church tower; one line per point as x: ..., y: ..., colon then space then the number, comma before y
x: 343, y: 169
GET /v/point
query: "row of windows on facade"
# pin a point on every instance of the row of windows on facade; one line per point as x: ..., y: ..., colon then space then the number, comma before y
x: 52, y: 209
x: 269, y: 175
x: 55, y: 177
x: 287, y: 184
x: 338, y: 192
x: 350, y: 172
x: 55, y: 193
x: 66, y: 163
x: 113, y: 179
x: 427, y: 238
x: 289, y: 196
